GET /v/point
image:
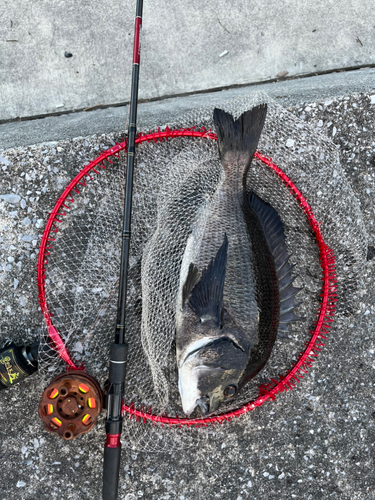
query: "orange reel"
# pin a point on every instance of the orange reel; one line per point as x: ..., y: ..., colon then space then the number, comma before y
x: 71, y: 404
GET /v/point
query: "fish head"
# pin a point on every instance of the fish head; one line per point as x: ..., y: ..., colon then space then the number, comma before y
x: 210, y: 375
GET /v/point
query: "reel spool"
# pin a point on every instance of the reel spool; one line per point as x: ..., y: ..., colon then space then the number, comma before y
x: 71, y: 404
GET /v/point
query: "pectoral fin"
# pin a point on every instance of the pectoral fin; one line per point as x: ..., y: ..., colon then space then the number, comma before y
x: 191, y: 280
x: 206, y: 297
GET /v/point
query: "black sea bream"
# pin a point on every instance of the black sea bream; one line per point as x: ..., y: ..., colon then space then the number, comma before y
x: 236, y: 288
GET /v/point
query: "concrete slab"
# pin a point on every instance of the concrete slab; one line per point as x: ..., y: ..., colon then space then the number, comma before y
x: 186, y: 47
x: 315, y: 443
x: 113, y: 119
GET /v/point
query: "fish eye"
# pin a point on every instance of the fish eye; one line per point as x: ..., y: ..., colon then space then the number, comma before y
x: 230, y: 391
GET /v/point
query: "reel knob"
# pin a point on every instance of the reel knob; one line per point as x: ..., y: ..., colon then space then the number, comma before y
x: 70, y: 405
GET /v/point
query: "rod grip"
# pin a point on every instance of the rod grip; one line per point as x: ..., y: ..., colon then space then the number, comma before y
x: 111, y: 471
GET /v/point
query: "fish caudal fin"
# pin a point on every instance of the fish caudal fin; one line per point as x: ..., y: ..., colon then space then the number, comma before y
x: 206, y: 297
x: 241, y: 135
x: 274, y: 233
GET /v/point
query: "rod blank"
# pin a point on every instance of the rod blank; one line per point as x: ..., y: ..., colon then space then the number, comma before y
x: 119, y: 349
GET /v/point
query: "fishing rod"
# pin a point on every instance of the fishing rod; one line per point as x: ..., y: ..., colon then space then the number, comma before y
x: 119, y: 349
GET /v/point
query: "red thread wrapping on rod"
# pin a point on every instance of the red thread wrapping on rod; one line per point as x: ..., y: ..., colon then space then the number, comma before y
x: 266, y: 391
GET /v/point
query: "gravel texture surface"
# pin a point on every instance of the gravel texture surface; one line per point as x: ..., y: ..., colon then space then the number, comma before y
x: 315, y: 442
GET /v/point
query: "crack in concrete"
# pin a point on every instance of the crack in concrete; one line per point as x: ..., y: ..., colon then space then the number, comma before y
x: 186, y: 94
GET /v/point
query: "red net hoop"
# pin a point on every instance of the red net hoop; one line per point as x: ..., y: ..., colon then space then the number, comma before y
x: 328, y: 295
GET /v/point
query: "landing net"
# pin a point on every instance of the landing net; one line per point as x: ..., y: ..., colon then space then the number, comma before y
x: 296, y: 169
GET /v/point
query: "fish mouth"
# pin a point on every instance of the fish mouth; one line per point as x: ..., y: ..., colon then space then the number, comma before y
x: 207, y: 404
x: 203, y: 405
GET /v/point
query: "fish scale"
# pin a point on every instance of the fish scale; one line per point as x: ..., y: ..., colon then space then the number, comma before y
x: 239, y: 285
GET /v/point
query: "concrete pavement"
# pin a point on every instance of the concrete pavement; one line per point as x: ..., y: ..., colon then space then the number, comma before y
x: 186, y: 47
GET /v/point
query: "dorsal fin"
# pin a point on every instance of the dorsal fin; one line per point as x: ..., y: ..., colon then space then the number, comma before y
x: 206, y: 298
x: 274, y: 233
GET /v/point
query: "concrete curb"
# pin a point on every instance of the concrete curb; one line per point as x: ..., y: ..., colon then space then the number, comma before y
x: 113, y: 119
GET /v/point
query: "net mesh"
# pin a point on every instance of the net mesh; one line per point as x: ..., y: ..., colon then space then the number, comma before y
x: 174, y: 191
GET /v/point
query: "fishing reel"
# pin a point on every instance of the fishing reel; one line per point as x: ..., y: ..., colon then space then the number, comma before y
x: 71, y: 404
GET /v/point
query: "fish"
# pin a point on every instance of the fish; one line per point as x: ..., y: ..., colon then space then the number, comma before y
x: 236, y: 291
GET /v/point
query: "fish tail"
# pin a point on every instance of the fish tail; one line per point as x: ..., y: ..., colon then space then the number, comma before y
x: 239, y: 136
